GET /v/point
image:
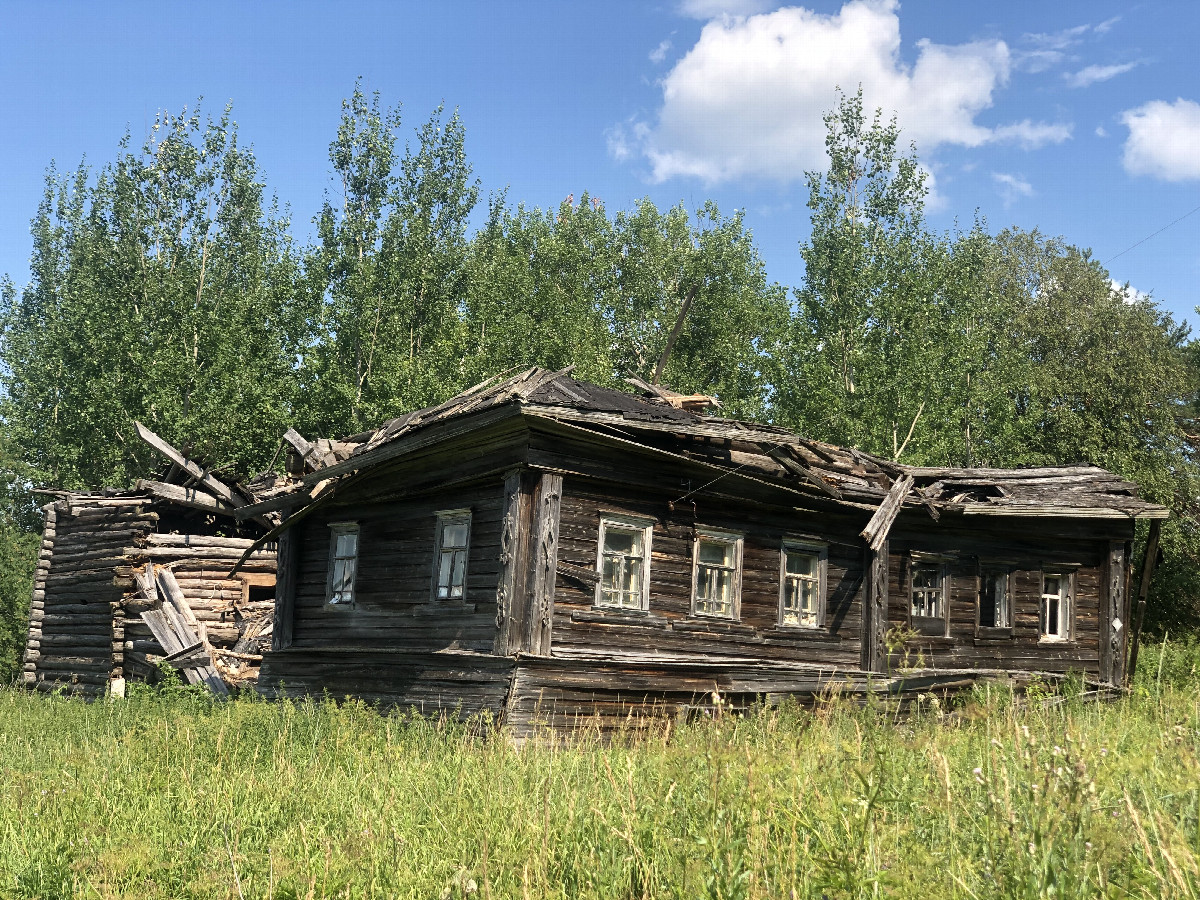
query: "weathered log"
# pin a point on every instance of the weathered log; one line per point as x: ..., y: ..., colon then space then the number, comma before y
x: 186, y: 496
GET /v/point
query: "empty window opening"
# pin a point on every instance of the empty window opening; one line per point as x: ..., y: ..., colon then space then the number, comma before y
x: 994, y: 605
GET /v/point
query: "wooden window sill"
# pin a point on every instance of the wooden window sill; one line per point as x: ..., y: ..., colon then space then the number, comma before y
x: 987, y: 635
x: 714, y: 624
x: 931, y: 640
x: 805, y: 633
x: 617, y: 616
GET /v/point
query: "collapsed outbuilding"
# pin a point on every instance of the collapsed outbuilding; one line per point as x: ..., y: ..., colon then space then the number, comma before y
x: 128, y: 580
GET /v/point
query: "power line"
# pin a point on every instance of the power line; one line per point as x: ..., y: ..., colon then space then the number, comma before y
x: 1156, y: 234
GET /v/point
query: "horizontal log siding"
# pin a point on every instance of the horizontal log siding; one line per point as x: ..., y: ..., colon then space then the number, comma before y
x: 75, y: 639
x: 1026, y: 554
x: 393, y: 609
x: 461, y: 683
x: 669, y: 627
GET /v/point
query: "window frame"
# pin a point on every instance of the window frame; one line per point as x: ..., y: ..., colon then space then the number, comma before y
x: 737, y: 540
x: 442, y: 518
x: 1066, y: 606
x: 821, y: 552
x: 336, y: 530
x: 624, y: 523
x: 925, y: 625
x: 988, y: 570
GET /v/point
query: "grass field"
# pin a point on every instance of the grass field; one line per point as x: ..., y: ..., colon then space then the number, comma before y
x: 169, y: 795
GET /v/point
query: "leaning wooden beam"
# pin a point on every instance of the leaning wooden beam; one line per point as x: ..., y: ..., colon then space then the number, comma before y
x: 308, y: 453
x: 191, y: 497
x: 188, y: 632
x: 215, y: 485
x: 1149, y: 561
x: 877, y: 529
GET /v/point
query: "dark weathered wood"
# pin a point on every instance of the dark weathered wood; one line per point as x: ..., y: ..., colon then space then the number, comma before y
x: 1112, y: 624
x: 510, y: 588
x: 875, y: 609
x: 285, y: 589
x: 1149, y: 561
x: 543, y: 559
x: 215, y: 486
x: 186, y: 496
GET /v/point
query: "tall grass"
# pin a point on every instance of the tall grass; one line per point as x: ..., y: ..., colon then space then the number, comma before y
x: 169, y: 795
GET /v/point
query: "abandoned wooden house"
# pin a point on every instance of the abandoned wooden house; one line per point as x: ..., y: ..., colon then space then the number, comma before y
x: 126, y: 579
x: 545, y: 549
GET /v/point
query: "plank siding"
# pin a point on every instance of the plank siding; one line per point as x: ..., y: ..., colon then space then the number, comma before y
x: 393, y: 605
x: 668, y: 626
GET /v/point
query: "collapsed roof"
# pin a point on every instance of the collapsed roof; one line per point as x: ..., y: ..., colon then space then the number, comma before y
x: 663, y: 420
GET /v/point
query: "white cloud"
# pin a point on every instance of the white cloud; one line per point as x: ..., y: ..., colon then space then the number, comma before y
x: 1101, y: 132
x: 1045, y: 50
x: 1031, y: 135
x: 748, y: 98
x: 1164, y: 140
x: 659, y: 53
x: 1012, y: 187
x: 716, y: 9
x: 1090, y: 75
x: 1128, y: 292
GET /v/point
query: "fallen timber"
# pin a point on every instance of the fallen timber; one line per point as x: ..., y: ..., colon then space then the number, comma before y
x: 126, y: 580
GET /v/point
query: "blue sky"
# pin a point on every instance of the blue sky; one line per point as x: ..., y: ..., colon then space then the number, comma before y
x: 1081, y: 119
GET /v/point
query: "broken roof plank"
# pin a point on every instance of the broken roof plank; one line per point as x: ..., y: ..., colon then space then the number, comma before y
x: 877, y: 529
x: 214, y: 485
x: 185, y: 496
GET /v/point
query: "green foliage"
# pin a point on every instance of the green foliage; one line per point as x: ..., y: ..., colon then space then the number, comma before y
x: 387, y: 276
x: 161, y: 796
x: 577, y: 286
x: 160, y: 292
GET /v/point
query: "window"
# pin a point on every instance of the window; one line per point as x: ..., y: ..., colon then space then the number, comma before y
x: 1055, y: 611
x: 343, y: 562
x: 802, y: 585
x: 623, y: 563
x: 994, y: 605
x: 717, y: 574
x: 928, y: 592
x: 453, y: 541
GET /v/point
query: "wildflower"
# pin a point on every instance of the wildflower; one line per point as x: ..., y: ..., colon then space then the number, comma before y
x: 978, y: 772
x: 1104, y: 751
x: 1087, y: 845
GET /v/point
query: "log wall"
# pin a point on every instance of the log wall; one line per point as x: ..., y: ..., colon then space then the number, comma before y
x: 393, y: 605
x: 85, y: 616
x: 1026, y: 555
x: 668, y: 626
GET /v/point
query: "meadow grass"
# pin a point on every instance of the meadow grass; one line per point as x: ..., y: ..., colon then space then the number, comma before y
x: 167, y: 794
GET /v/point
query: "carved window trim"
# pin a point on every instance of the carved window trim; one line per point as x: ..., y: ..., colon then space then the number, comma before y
x: 1056, y: 609
x: 736, y: 542
x: 937, y: 567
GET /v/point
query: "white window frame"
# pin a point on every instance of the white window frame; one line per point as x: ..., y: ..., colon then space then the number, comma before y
x: 923, y: 561
x: 809, y: 548
x: 1004, y: 621
x: 1066, y: 606
x: 737, y: 541
x: 625, y: 523
x: 336, y: 530
x: 450, y: 517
